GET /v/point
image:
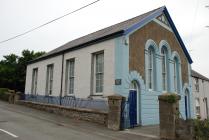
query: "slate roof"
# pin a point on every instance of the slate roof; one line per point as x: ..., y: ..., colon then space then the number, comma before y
x: 118, y: 29
x: 198, y: 75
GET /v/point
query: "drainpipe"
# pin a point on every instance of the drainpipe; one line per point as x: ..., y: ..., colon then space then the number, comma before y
x: 61, y: 78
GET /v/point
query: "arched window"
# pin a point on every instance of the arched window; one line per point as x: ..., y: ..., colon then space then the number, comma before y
x: 151, y: 67
x: 164, y: 53
x: 176, y: 75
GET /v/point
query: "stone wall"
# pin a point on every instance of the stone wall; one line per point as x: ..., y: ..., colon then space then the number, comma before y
x: 169, y: 108
x: 172, y: 127
x: 90, y: 115
x: 184, y: 129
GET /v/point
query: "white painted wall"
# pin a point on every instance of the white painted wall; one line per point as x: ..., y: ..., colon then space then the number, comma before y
x: 203, y: 92
x: 41, y: 82
x: 82, y: 70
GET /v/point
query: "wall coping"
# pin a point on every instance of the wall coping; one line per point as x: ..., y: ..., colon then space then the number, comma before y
x: 116, y: 97
x: 66, y: 108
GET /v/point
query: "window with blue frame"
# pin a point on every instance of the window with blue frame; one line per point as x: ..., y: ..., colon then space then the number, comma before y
x: 176, y: 75
x: 151, y: 68
x: 164, y: 53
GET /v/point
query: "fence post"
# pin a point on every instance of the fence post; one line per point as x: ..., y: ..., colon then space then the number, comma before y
x: 114, y: 114
x: 169, y: 112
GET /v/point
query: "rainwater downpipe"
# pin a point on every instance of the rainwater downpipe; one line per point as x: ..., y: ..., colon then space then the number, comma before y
x: 61, y: 78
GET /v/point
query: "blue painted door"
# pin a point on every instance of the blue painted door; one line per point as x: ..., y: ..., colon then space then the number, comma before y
x: 133, y: 107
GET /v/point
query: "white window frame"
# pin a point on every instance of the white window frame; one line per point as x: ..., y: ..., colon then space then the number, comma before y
x: 49, y: 79
x: 95, y: 79
x: 197, y: 107
x: 197, y: 85
x: 34, y: 81
x: 70, y: 77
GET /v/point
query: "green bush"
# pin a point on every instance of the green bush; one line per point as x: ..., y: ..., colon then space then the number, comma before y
x: 4, y: 94
x: 201, y: 129
x: 169, y: 97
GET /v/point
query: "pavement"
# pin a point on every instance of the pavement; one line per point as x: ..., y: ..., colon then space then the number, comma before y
x: 23, y: 123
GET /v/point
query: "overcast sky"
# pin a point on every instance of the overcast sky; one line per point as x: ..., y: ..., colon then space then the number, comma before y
x: 17, y: 16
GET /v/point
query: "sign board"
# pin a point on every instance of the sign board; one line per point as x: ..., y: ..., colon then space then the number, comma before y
x: 118, y: 81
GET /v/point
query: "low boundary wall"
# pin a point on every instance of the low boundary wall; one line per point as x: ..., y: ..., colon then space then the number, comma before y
x: 90, y: 115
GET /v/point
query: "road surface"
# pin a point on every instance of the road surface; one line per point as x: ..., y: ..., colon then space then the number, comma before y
x: 23, y: 123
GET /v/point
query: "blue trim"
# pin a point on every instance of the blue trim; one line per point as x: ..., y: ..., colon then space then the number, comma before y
x: 144, y: 21
x: 177, y: 35
x: 121, y: 66
x: 154, y: 15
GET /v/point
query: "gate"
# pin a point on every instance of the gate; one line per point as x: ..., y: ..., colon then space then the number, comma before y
x: 129, y: 111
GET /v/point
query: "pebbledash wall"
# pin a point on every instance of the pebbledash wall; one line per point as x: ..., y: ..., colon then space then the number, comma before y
x: 82, y: 71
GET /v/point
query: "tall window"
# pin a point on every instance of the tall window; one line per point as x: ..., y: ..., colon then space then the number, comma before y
x: 164, y: 68
x: 34, y: 81
x: 197, y: 84
x: 49, y: 79
x: 150, y: 68
x: 176, y: 75
x: 98, y: 70
x: 197, y: 107
x: 70, y: 70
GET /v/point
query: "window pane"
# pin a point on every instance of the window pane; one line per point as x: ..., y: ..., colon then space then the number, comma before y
x: 34, y: 81
x: 49, y: 81
x: 164, y: 69
x: 175, y: 75
x: 99, y: 72
x: 150, y: 68
x: 70, y: 79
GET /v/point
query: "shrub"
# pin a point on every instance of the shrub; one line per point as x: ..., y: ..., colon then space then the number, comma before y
x: 169, y: 97
x: 4, y: 94
x: 201, y: 129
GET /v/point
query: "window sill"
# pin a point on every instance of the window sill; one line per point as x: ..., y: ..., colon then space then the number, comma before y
x: 96, y: 95
x: 164, y: 91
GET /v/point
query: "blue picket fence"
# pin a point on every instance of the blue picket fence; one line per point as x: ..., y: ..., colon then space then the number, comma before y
x: 69, y: 101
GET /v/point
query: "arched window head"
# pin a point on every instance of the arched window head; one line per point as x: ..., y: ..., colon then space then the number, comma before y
x: 151, y: 67
x: 176, y: 74
x: 164, y: 53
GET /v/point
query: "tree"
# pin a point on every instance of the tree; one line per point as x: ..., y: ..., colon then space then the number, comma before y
x: 13, y: 69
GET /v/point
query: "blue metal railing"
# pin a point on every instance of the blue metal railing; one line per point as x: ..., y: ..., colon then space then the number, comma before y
x: 69, y: 101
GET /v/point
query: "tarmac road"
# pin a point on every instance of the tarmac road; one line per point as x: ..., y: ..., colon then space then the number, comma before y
x: 23, y: 123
